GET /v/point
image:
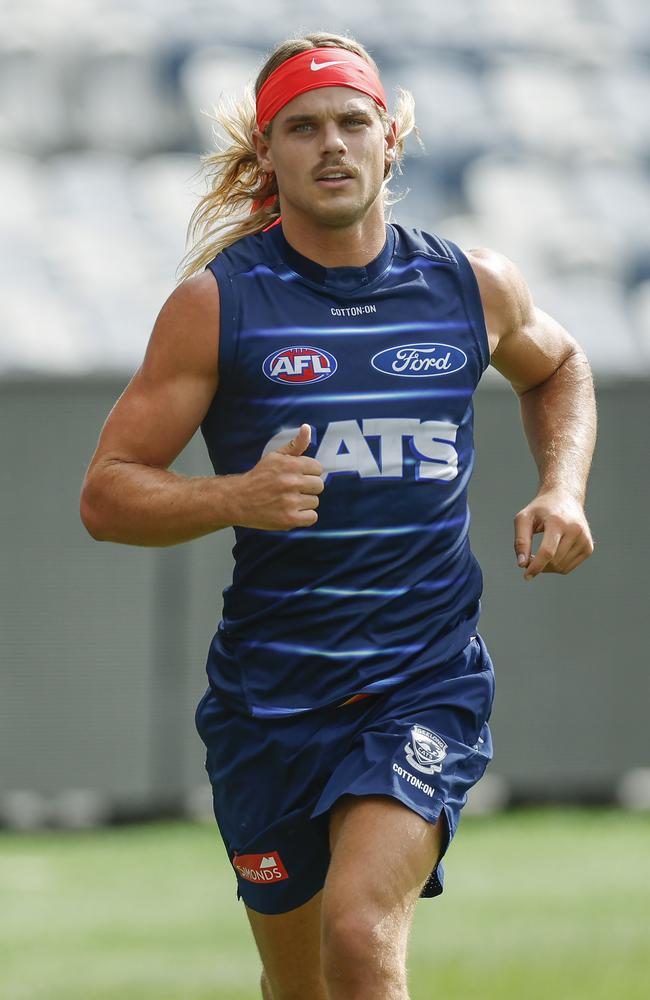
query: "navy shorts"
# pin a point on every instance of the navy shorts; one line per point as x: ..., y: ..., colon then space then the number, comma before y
x: 274, y: 780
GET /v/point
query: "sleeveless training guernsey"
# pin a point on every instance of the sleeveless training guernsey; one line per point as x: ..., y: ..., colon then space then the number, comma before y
x: 382, y: 362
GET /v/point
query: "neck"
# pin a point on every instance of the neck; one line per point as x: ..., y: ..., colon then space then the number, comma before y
x: 348, y: 246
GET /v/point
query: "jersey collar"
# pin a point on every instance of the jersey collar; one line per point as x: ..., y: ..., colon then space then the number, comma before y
x: 335, y: 278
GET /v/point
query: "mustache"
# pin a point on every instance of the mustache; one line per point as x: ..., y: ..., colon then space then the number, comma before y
x: 339, y: 165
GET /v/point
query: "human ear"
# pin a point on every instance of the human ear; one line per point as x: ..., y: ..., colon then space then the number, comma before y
x: 390, y: 140
x: 263, y: 150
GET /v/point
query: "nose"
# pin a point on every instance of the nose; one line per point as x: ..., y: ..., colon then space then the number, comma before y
x: 331, y: 139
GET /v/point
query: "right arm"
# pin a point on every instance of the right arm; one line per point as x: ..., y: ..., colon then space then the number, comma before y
x: 130, y: 496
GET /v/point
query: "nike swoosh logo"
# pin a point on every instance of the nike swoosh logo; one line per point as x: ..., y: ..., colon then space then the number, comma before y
x: 316, y: 66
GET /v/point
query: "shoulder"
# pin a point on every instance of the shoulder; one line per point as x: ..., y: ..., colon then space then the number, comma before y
x: 507, y: 302
x: 193, y: 307
x: 198, y: 292
x: 185, y: 335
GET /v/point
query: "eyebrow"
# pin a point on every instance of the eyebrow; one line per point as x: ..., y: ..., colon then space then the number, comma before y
x: 355, y: 112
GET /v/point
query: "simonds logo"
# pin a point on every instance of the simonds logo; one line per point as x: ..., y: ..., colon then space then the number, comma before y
x: 260, y: 868
x: 419, y: 360
x: 299, y: 364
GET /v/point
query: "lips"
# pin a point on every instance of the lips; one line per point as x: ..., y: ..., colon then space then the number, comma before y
x: 334, y: 179
x: 334, y: 182
x: 332, y: 174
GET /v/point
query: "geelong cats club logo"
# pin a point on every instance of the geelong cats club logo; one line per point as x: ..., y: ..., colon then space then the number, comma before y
x: 298, y: 365
x: 419, y: 360
x: 425, y: 751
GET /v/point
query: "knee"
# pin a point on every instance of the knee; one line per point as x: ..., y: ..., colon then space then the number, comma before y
x: 359, y: 947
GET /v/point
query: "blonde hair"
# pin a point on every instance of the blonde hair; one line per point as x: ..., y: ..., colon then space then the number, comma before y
x: 234, y: 177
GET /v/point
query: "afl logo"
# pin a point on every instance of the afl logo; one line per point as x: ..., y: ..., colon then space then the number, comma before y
x: 419, y: 360
x: 299, y: 365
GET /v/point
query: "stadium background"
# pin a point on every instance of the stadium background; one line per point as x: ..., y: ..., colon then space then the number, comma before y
x: 535, y: 122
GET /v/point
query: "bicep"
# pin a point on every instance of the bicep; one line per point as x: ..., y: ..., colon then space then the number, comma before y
x: 167, y: 398
x: 529, y: 354
x: 527, y: 345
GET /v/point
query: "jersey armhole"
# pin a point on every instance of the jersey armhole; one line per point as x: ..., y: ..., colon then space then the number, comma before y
x: 227, y: 320
x: 472, y: 300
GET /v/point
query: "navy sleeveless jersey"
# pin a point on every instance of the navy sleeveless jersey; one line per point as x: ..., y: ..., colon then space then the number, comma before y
x: 382, y: 362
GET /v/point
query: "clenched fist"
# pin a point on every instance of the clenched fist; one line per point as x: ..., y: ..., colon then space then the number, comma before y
x: 282, y: 490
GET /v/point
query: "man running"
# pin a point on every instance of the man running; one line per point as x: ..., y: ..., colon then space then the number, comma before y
x: 330, y: 359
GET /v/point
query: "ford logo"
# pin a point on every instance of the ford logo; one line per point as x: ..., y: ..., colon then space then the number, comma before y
x: 419, y: 360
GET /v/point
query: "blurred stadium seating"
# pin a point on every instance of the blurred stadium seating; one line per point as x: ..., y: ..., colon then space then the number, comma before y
x: 536, y: 133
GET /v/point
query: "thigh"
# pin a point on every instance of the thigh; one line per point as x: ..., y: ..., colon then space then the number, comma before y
x: 382, y: 853
x: 424, y: 745
x: 289, y: 946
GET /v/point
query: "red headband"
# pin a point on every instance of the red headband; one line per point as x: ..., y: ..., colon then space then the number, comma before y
x: 312, y: 69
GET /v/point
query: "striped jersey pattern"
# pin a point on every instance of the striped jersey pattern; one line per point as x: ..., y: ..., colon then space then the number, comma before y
x: 382, y: 361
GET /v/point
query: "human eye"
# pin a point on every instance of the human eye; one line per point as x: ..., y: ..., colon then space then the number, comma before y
x: 301, y: 126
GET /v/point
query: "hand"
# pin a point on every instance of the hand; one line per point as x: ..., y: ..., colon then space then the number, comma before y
x: 281, y: 492
x: 566, y: 541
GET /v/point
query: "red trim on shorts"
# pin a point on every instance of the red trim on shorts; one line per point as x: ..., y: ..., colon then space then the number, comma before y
x: 355, y: 697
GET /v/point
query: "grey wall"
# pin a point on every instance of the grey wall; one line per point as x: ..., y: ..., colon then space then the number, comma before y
x: 570, y: 653
x: 102, y: 647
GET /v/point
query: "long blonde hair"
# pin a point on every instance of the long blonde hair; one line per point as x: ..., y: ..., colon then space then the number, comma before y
x: 235, y: 179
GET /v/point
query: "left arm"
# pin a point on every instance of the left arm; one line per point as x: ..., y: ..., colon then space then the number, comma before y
x: 551, y: 375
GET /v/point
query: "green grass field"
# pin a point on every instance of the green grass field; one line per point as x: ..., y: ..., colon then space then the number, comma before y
x: 538, y: 905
